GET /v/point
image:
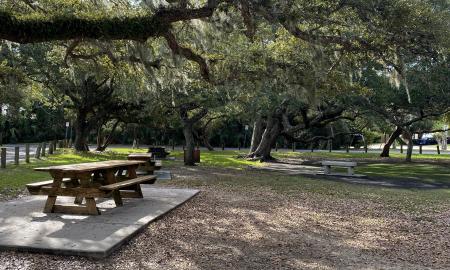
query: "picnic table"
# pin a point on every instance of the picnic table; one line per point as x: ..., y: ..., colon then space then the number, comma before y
x: 150, y: 164
x: 89, y: 181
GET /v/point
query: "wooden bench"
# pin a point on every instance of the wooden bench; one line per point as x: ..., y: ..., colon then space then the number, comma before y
x: 34, y: 188
x: 118, y: 192
x: 350, y: 165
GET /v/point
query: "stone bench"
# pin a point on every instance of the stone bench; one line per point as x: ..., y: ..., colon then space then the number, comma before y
x: 350, y: 165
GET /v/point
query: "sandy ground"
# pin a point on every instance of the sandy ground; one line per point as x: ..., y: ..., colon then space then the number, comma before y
x: 232, y: 228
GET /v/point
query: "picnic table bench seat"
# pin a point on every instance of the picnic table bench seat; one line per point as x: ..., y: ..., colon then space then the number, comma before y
x: 33, y: 188
x: 131, y: 182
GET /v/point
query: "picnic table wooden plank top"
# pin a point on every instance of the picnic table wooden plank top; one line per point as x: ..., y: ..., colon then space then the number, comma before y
x: 91, y: 166
x: 143, y: 155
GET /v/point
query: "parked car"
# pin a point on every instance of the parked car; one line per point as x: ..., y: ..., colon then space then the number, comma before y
x: 425, y: 141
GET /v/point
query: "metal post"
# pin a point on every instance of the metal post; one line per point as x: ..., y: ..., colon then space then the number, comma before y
x: 312, y: 147
x: 438, y: 150
x: 276, y: 147
x: 27, y: 153
x: 3, y: 157
x: 16, y: 155
x: 347, y: 149
x: 223, y: 147
x: 420, y: 149
x: 330, y: 145
x: 401, y: 148
x: 293, y: 147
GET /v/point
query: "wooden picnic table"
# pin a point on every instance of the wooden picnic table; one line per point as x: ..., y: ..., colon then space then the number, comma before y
x: 89, y: 181
x: 150, y: 164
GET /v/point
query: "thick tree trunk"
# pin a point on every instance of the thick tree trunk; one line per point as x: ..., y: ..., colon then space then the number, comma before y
x: 397, y: 132
x: 190, y: 144
x: 81, y: 133
x: 268, y: 139
x: 257, y: 133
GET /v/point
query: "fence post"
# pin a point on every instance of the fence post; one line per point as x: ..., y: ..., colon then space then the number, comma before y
x: 44, y: 145
x: 27, y: 153
x: 293, y: 147
x: 3, y: 157
x: 420, y: 149
x: 16, y: 155
x: 438, y: 150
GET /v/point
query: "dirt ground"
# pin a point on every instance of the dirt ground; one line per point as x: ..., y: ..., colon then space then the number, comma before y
x: 235, y: 228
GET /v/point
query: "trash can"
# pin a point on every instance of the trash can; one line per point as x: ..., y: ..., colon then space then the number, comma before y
x: 196, y: 155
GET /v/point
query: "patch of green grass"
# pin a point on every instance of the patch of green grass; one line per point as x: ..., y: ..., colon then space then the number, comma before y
x: 219, y: 158
x: 359, y: 155
x: 426, y: 173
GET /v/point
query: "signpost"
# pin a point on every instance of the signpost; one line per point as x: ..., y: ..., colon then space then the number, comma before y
x: 245, y: 135
x: 444, y: 140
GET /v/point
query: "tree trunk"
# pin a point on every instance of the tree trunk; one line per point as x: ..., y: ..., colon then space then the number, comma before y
x: 100, y: 139
x: 106, y: 142
x: 397, y: 132
x: 81, y: 133
x: 257, y: 133
x: 268, y: 139
x: 409, y: 151
x: 206, y: 143
x: 190, y: 144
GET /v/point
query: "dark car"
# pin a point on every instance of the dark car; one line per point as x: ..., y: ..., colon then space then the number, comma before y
x: 425, y: 141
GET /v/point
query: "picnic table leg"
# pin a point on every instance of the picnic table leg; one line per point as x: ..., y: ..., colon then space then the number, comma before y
x: 111, y: 179
x: 350, y: 171
x: 132, y: 174
x: 51, y: 200
x: 91, y: 205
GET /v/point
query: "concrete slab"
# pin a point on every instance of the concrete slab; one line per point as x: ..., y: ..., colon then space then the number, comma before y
x: 163, y: 175
x: 23, y: 226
